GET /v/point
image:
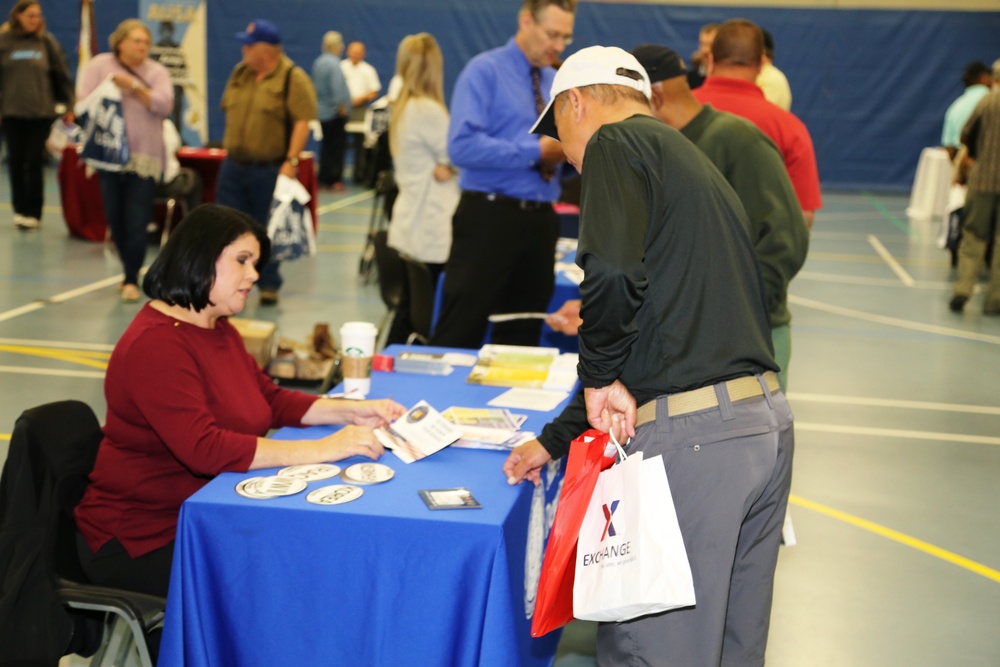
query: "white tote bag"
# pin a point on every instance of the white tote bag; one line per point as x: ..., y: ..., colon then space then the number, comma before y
x: 290, y: 226
x: 630, y: 558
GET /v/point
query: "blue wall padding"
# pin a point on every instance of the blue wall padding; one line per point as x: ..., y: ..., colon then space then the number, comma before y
x: 871, y: 85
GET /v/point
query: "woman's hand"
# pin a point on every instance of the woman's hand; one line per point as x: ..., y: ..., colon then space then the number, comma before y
x: 344, y: 411
x: 351, y: 441
x: 442, y: 173
x: 124, y: 82
x: 376, y: 413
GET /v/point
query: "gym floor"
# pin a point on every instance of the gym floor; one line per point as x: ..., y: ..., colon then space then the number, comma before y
x: 895, y: 495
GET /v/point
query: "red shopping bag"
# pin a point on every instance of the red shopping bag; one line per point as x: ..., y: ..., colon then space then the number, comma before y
x: 554, y: 601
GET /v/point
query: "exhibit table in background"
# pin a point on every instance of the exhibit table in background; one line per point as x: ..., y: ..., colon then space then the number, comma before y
x: 382, y: 580
x: 931, y: 184
x: 80, y: 193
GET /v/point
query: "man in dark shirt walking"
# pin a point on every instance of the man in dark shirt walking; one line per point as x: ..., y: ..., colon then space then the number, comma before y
x: 674, y: 321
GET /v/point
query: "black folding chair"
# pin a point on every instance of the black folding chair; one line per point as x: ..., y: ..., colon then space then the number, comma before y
x: 47, y: 608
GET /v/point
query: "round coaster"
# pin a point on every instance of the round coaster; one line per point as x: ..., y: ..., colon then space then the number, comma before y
x: 261, y: 488
x: 311, y: 472
x: 335, y: 494
x: 367, y: 473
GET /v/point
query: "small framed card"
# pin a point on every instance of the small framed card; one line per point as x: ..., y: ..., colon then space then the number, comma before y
x: 449, y: 499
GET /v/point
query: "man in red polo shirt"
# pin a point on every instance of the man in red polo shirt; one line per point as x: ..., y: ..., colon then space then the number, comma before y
x: 733, y: 67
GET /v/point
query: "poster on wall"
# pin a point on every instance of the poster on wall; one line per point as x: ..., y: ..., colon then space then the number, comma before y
x: 178, y: 29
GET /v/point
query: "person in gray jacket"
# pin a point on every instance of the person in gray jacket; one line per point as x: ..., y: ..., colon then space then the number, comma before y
x: 34, y: 79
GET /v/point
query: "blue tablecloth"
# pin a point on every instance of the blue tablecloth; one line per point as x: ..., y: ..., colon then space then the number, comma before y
x: 382, y: 580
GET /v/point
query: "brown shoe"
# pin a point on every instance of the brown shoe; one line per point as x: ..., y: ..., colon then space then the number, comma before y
x: 130, y: 293
x: 269, y: 297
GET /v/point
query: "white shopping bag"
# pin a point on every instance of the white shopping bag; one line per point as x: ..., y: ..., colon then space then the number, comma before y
x: 630, y: 558
x: 290, y: 227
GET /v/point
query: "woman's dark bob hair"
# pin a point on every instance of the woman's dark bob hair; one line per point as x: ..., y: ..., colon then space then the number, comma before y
x: 184, y: 271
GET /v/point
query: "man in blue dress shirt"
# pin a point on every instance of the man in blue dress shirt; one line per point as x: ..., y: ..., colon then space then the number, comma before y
x: 504, y: 230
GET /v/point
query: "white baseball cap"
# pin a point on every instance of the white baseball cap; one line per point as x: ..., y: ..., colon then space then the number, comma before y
x: 589, y: 66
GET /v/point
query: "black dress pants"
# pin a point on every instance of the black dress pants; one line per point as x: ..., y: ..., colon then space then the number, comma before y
x: 502, y: 261
x: 331, y: 152
x: 112, y: 566
x: 25, y: 160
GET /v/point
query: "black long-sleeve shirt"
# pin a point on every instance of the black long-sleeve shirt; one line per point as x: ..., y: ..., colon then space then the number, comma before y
x: 672, y: 298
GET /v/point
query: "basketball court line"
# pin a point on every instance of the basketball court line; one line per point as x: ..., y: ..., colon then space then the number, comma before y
x: 901, y: 538
x: 887, y: 257
x: 893, y: 321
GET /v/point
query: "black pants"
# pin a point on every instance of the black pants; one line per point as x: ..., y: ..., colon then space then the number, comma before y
x: 502, y: 261
x: 26, y: 158
x: 402, y: 325
x: 331, y: 152
x: 112, y: 566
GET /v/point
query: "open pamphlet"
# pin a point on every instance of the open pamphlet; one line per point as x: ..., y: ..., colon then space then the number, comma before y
x: 523, y: 366
x: 418, y: 434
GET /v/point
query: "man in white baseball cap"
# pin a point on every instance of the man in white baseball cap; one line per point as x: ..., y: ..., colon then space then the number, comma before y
x: 675, y: 322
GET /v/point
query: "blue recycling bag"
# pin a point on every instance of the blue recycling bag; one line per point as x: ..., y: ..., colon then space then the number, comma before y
x: 105, y: 144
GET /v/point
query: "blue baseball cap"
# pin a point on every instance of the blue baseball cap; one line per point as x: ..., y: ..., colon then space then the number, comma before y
x: 260, y: 30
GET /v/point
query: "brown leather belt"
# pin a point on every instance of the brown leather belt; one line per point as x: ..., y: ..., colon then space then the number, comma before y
x: 704, y: 398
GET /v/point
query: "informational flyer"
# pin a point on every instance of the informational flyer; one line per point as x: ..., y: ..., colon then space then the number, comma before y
x: 418, y: 434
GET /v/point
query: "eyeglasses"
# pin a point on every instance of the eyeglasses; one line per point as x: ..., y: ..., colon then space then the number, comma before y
x: 555, y: 35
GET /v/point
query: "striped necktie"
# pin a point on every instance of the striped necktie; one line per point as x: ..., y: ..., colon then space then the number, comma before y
x: 536, y: 86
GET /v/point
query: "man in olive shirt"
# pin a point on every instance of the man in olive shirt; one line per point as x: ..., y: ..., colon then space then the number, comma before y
x: 751, y: 164
x: 674, y: 320
x: 268, y: 103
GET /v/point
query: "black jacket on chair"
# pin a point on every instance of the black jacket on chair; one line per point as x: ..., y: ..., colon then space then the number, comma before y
x: 35, y: 628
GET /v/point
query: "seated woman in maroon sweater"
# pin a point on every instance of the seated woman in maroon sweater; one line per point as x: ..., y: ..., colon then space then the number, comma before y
x: 187, y: 402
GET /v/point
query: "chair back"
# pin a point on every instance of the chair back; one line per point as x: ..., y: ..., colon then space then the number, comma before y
x: 421, y: 286
x: 65, y: 437
x: 52, y: 451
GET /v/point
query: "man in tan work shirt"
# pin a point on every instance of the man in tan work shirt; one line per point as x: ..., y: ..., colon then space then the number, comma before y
x: 268, y: 103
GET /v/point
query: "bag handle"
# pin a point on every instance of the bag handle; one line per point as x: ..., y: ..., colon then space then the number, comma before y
x: 133, y: 72
x: 621, y: 450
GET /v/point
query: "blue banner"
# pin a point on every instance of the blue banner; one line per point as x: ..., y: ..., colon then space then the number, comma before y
x: 178, y: 29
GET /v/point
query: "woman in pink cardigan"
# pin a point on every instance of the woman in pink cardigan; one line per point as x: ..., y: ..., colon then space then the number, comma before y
x: 147, y: 98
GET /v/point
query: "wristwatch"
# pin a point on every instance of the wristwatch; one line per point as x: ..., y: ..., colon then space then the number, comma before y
x: 294, y: 161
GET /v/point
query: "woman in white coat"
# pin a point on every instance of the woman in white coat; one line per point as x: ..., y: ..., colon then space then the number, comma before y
x: 428, y: 189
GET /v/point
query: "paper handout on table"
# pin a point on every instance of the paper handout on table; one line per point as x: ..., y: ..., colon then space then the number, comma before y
x: 543, y: 400
x: 418, y: 434
x: 486, y: 428
x: 522, y: 366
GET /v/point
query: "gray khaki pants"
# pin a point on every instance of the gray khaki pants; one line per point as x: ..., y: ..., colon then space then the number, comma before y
x: 730, y: 470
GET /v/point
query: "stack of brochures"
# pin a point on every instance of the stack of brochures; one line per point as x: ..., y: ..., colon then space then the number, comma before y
x: 522, y: 366
x: 430, y: 363
x: 487, y: 428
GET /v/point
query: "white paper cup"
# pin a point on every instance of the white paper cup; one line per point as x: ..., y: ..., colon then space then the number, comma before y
x: 357, y: 340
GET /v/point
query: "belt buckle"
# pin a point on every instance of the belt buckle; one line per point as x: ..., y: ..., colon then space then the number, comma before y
x: 526, y: 205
